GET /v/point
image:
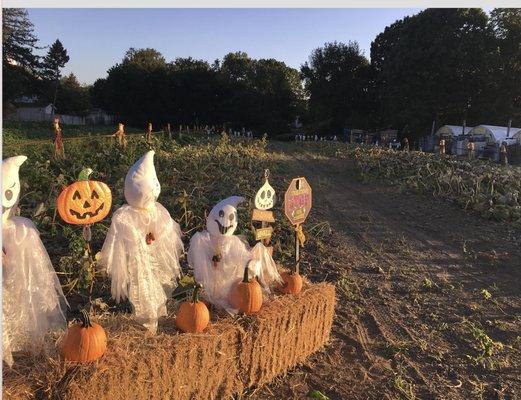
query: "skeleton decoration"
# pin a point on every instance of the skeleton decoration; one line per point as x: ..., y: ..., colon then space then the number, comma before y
x: 143, y: 245
x: 219, y: 257
x: 32, y: 298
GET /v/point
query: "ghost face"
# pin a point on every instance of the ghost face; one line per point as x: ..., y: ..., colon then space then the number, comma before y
x: 265, y: 197
x: 222, y: 221
x: 11, y: 182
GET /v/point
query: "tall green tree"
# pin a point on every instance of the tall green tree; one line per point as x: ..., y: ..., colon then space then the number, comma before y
x: 52, y: 63
x: 506, y: 23
x: 18, y: 59
x: 437, y: 64
x: 337, y: 78
x: 74, y: 98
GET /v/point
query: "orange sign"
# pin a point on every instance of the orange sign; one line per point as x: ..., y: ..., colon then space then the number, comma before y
x: 298, y: 201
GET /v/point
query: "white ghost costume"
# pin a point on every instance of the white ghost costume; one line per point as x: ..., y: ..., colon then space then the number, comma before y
x: 32, y: 298
x: 218, y: 277
x: 143, y: 246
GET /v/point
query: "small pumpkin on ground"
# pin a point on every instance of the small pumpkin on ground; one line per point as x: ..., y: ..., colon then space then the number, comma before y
x: 193, y: 316
x: 246, y: 295
x: 292, y: 282
x: 84, y: 202
x: 84, y: 342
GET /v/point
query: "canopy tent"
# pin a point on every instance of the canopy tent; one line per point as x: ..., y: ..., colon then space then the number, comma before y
x: 497, y: 134
x: 453, y: 130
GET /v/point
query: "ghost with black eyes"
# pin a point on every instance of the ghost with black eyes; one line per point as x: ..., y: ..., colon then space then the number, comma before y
x: 32, y: 298
x: 218, y: 257
x: 143, y: 246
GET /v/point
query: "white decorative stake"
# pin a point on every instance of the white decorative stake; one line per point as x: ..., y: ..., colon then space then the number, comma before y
x: 32, y: 298
x: 143, y: 245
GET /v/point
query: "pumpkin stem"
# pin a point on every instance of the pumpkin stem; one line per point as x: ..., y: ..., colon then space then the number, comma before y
x: 84, y: 174
x: 85, y: 319
x: 195, y: 295
x: 245, y: 278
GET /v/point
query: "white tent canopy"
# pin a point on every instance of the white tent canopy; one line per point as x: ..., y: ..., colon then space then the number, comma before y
x: 453, y: 130
x: 497, y: 134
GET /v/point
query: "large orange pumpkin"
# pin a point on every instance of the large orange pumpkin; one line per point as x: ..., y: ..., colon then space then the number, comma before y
x: 84, y: 342
x: 84, y: 202
x: 193, y: 316
x: 292, y: 282
x: 246, y: 295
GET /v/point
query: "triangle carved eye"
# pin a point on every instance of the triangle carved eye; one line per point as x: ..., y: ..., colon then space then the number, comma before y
x: 76, y: 195
x: 94, y: 195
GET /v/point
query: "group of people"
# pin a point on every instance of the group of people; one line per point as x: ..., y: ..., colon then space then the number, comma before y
x: 141, y: 255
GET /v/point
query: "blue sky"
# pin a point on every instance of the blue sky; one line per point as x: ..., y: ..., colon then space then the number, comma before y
x: 96, y: 39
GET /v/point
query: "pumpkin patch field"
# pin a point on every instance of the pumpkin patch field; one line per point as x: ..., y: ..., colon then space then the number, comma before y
x: 411, y: 284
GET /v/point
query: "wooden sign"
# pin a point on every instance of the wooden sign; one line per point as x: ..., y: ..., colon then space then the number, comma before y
x: 263, y: 233
x: 262, y: 215
x: 298, y: 201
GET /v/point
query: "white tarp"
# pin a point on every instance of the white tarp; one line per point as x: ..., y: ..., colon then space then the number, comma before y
x: 497, y: 134
x: 453, y: 130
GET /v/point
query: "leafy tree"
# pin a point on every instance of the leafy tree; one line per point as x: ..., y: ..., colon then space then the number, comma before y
x: 436, y: 64
x: 18, y: 60
x: 53, y: 62
x: 337, y: 78
x: 74, y: 98
x: 506, y: 23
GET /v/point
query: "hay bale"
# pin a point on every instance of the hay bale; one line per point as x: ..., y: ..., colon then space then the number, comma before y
x: 231, y: 355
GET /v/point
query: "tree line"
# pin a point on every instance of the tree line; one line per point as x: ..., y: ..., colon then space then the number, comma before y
x: 440, y: 65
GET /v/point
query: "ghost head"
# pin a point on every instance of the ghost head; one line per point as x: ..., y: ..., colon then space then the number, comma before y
x: 141, y: 185
x: 265, y: 197
x: 10, y: 183
x: 222, y: 220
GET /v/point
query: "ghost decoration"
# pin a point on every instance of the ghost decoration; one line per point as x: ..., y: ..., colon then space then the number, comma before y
x: 143, y: 246
x: 32, y: 298
x: 219, y: 257
x: 265, y: 197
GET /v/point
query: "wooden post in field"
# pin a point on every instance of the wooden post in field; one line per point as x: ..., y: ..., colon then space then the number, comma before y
x: 442, y: 146
x: 168, y: 131
x: 503, y: 154
x: 471, y: 149
x: 149, y: 132
x: 120, y: 135
x: 59, y: 151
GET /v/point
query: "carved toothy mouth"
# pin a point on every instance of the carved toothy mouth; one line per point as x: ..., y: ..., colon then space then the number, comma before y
x: 88, y: 213
x: 223, y: 229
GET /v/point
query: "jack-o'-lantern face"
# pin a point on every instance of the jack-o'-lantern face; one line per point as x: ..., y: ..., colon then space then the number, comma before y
x: 84, y: 202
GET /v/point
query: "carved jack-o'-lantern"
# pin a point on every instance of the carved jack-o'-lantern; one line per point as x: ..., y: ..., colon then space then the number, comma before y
x: 84, y: 202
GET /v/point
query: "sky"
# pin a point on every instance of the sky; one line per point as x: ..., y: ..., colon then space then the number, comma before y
x: 96, y: 39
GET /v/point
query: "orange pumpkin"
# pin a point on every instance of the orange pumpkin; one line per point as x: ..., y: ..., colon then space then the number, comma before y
x: 84, y: 202
x: 292, y: 283
x: 84, y: 342
x: 246, y: 295
x: 193, y: 316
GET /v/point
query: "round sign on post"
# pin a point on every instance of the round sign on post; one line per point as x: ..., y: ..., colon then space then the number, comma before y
x: 298, y: 201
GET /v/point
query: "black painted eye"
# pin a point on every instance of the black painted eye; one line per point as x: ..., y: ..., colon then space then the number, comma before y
x: 263, y: 194
x: 94, y: 195
x: 221, y: 213
x: 231, y: 217
x: 8, y: 194
x: 76, y: 195
x: 269, y: 194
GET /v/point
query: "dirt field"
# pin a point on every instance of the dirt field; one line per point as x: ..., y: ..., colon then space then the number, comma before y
x: 429, y: 296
